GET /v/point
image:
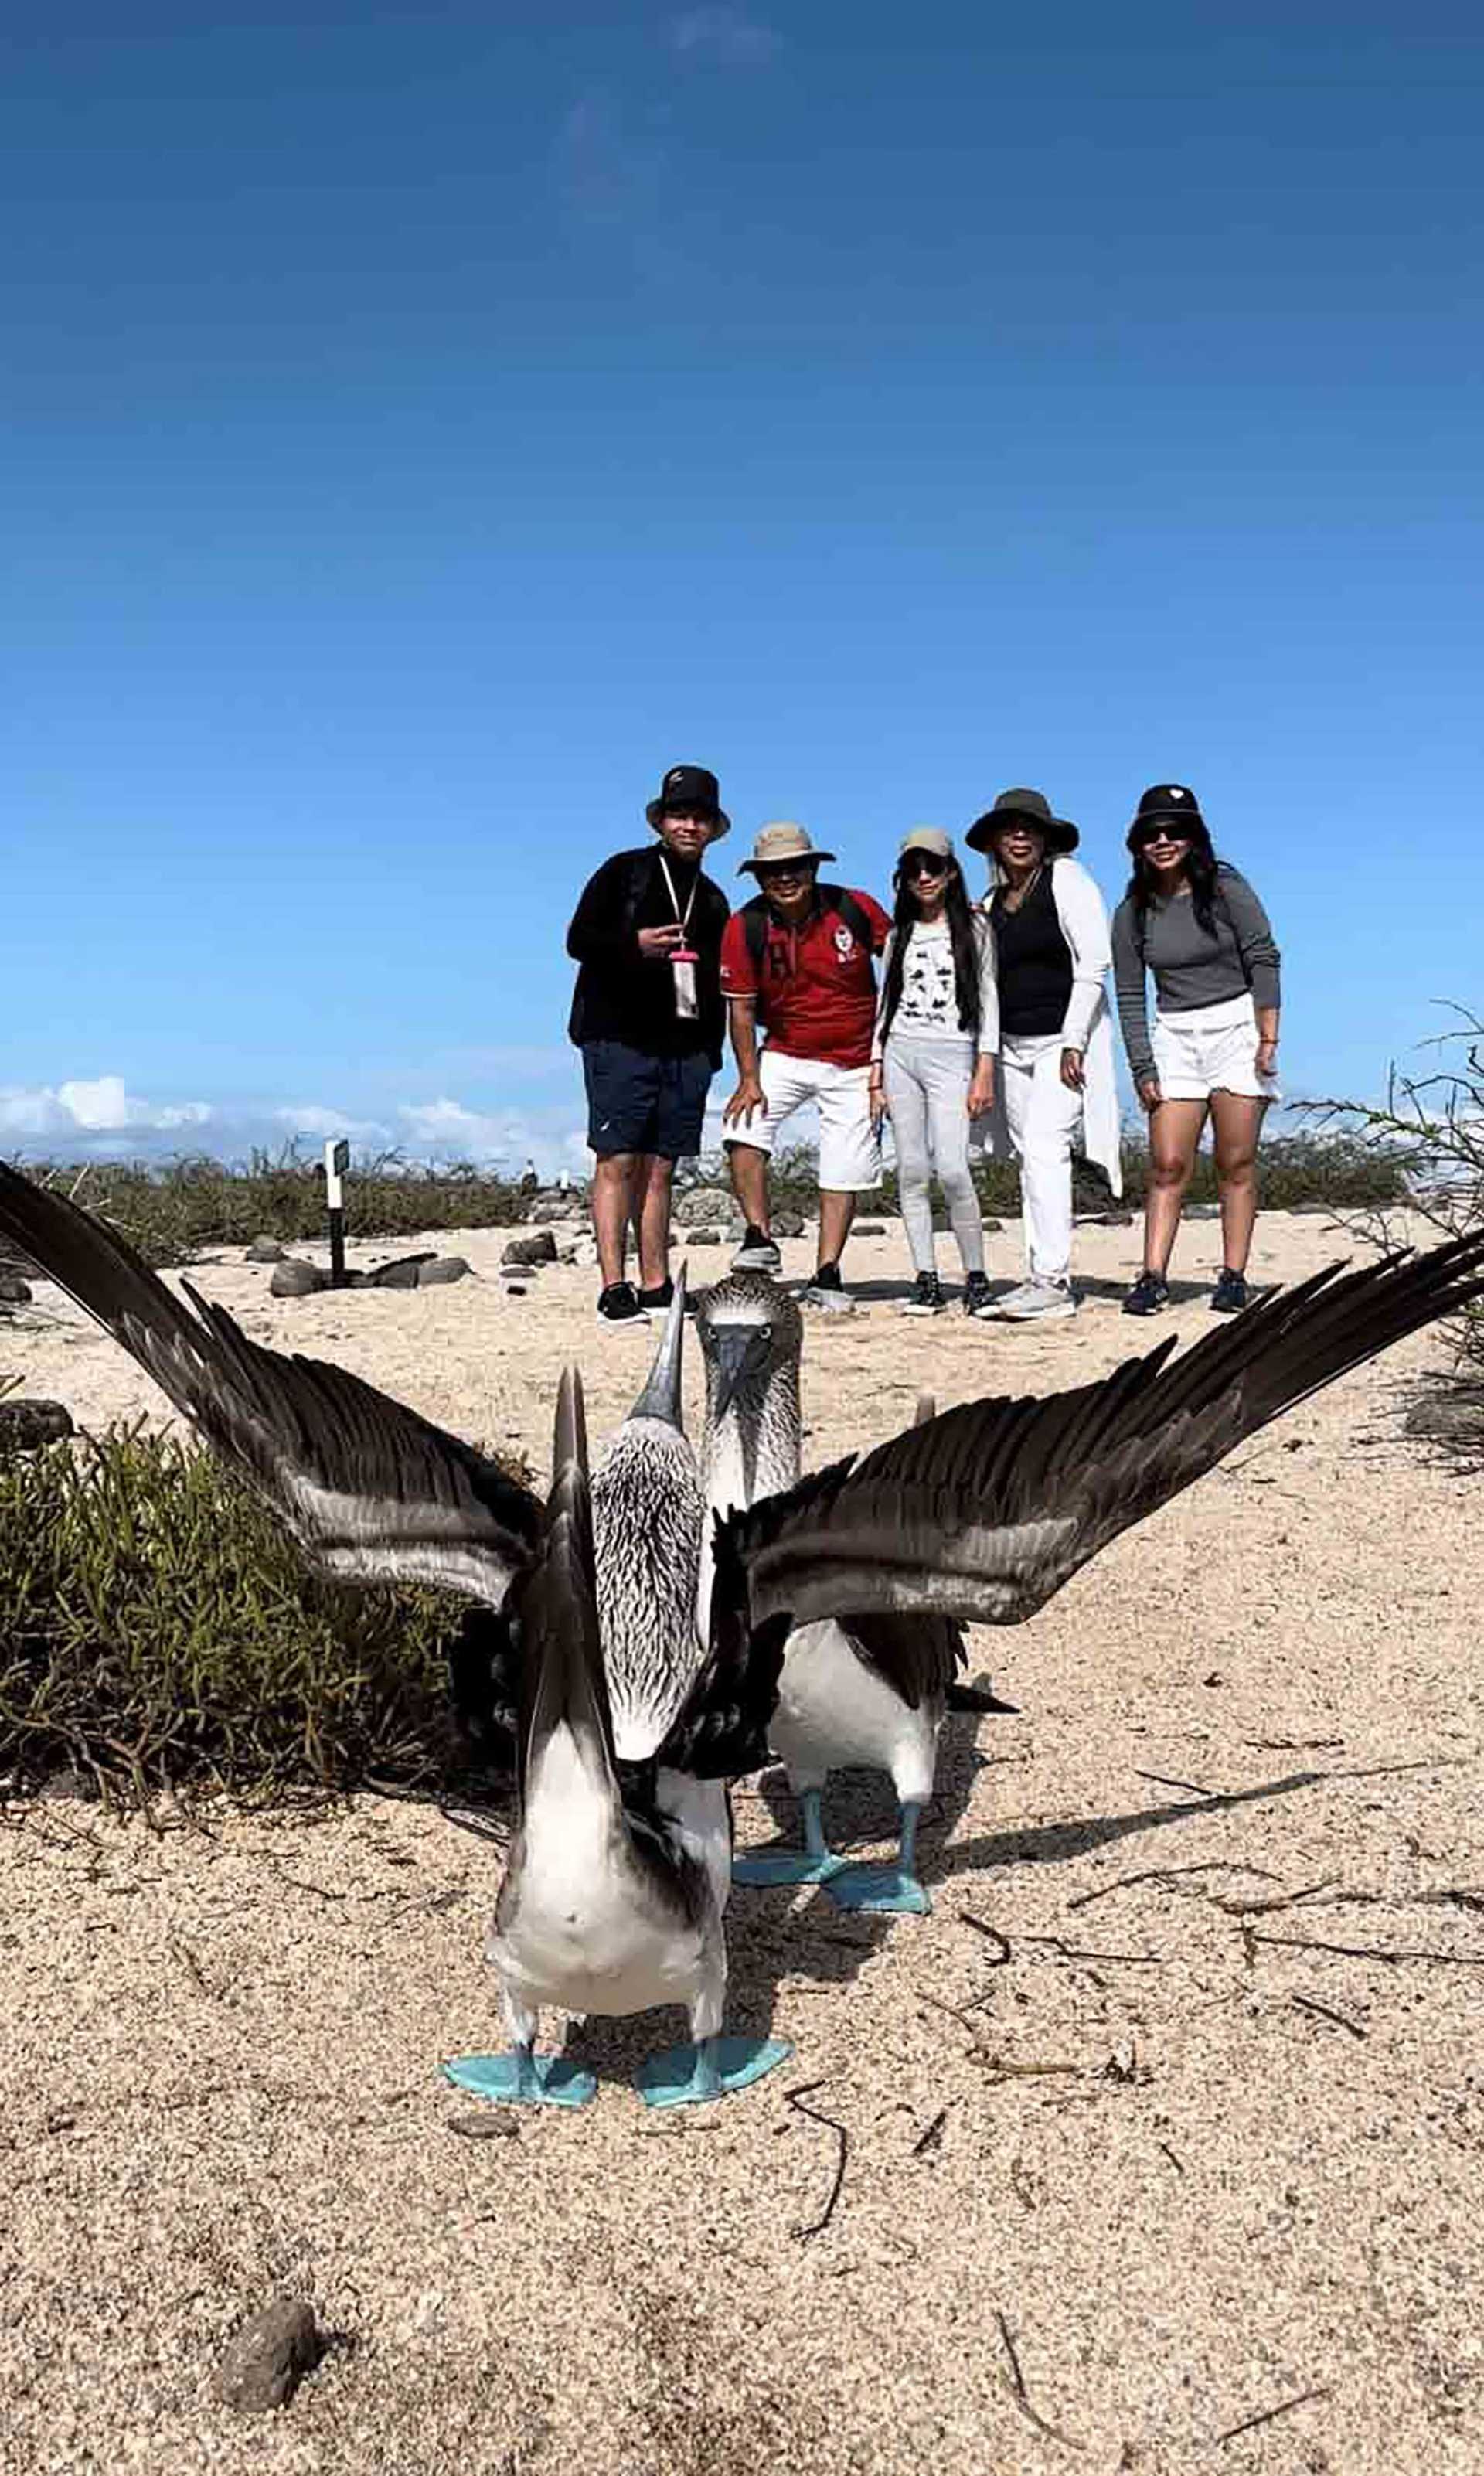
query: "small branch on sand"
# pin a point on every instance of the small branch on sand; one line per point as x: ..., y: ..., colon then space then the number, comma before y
x: 991, y: 1934
x: 1325, y: 2011
x: 1076, y: 1951
x: 1016, y: 2385
x: 1168, y: 1874
x: 1193, y: 1786
x: 1269, y: 1908
x: 1371, y: 1950
x: 796, y: 2098
x: 932, y: 2136
x: 1265, y: 2415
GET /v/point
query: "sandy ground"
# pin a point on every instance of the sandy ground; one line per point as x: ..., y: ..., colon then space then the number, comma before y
x: 1129, y: 2158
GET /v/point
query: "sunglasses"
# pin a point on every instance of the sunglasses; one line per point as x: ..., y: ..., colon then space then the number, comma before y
x: 923, y: 864
x: 780, y: 872
x: 1159, y: 834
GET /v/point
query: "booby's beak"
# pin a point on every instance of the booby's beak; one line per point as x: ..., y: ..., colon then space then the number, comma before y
x: 737, y: 1351
x: 660, y: 1398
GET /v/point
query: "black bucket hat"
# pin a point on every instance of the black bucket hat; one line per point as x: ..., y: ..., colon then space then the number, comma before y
x: 691, y: 786
x: 1061, y: 835
x: 1167, y: 804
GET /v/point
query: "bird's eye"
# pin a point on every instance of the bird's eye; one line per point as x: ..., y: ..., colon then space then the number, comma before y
x: 766, y: 1331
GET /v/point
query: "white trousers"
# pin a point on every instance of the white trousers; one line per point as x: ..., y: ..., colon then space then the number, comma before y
x: 926, y: 1092
x: 1043, y: 1117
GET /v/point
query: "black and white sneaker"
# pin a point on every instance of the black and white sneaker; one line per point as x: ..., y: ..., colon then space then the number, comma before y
x: 1230, y: 1294
x: 657, y: 1304
x: 926, y: 1298
x: 1148, y: 1295
x: 977, y: 1293
x: 828, y: 1291
x: 619, y: 1303
x: 757, y: 1252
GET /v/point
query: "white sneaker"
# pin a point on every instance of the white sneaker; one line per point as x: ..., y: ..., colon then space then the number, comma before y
x: 1037, y: 1303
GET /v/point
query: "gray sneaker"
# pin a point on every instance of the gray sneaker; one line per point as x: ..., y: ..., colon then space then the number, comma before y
x: 757, y: 1252
x: 1038, y: 1302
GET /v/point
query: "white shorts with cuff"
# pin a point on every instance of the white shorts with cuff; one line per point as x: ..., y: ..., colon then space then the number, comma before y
x: 1210, y: 1049
x: 850, y: 1155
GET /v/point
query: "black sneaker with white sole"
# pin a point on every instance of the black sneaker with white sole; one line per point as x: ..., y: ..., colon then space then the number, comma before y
x: 1148, y: 1296
x: 1230, y: 1294
x: 827, y: 1290
x: 657, y: 1302
x: 977, y: 1293
x: 927, y: 1296
x: 757, y: 1252
x: 619, y: 1303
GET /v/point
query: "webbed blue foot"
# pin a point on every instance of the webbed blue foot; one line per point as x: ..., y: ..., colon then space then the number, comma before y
x: 695, y: 2075
x: 890, y: 1890
x: 773, y: 1866
x: 521, y: 2078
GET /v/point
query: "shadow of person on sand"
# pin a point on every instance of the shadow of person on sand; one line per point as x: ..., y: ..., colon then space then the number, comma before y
x: 1093, y: 1288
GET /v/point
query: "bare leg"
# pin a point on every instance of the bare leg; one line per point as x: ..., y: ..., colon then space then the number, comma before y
x: 1174, y: 1132
x: 1236, y: 1122
x: 837, y: 1212
x: 652, y: 1186
x: 614, y: 1204
x: 750, y: 1182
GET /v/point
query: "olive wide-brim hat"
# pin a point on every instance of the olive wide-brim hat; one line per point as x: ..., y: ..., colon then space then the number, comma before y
x: 782, y: 841
x: 1034, y: 810
x: 691, y: 786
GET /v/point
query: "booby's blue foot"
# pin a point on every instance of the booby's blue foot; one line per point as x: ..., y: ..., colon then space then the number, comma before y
x: 773, y: 1866
x: 521, y: 2078
x: 892, y: 1889
x: 695, y: 2075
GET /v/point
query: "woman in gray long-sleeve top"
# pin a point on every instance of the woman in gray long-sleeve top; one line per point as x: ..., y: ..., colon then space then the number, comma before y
x: 1194, y: 923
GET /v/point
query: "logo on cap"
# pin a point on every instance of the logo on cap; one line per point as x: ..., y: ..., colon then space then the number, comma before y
x: 1176, y: 792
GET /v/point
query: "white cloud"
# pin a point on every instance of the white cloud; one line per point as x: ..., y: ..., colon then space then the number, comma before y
x: 313, y: 1118
x: 729, y: 36
x: 102, y: 1107
x: 446, y: 1129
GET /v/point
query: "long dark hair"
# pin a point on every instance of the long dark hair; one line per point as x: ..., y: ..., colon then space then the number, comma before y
x: 962, y: 936
x: 1201, y: 872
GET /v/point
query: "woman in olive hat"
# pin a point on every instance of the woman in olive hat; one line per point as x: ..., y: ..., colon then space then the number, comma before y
x: 1057, y: 1085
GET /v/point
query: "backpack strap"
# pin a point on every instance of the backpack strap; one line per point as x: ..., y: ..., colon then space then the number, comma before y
x: 832, y: 898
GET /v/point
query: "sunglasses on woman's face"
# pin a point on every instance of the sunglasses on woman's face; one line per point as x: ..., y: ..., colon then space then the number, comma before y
x: 925, y: 865
x: 1161, y: 834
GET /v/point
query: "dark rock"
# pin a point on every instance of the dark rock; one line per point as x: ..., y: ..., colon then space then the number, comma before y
x: 485, y: 2123
x: 1449, y: 1418
x: 1202, y: 1212
x: 865, y: 1230
x: 400, y: 1273
x: 700, y: 1206
x: 25, y: 1424
x: 266, y: 2361
x: 564, y: 1204
x: 14, y: 1291
x: 1309, y: 1211
x: 992, y: 1225
x: 540, y: 1247
x: 1107, y: 1220
x: 265, y: 1251
x: 441, y: 1269
x: 293, y: 1278
x: 788, y: 1225
x: 702, y: 1237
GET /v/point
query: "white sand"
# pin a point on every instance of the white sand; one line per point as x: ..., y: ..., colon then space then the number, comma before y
x: 1190, y: 2198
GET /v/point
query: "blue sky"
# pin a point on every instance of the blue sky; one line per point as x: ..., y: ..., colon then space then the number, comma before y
x: 423, y: 426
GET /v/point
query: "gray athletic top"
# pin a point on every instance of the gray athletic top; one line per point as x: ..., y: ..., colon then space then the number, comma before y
x: 1190, y: 968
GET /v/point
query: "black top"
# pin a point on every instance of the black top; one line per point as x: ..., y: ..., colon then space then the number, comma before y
x: 619, y: 995
x: 1032, y: 963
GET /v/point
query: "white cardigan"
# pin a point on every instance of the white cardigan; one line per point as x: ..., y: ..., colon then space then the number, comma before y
x: 1087, y: 1025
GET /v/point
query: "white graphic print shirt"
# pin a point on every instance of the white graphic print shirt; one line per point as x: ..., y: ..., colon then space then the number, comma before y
x: 929, y: 993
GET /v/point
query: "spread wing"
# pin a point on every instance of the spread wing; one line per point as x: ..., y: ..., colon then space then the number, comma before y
x: 371, y: 1491
x: 721, y: 1729
x: 981, y: 1513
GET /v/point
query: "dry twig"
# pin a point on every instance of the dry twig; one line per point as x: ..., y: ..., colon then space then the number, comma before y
x: 1016, y: 2385
x: 796, y: 2098
x: 1265, y: 2415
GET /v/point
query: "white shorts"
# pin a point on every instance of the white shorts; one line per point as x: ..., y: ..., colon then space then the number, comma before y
x: 1211, y: 1048
x: 850, y: 1156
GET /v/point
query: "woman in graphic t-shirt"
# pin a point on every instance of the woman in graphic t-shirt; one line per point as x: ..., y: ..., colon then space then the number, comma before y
x: 932, y: 1063
x: 1198, y: 926
x: 1056, y: 1080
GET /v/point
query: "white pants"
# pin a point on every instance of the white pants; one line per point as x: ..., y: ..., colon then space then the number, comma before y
x: 1043, y: 1117
x: 926, y: 1092
x: 850, y: 1156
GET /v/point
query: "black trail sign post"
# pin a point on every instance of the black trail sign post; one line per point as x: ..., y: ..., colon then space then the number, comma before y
x: 338, y: 1160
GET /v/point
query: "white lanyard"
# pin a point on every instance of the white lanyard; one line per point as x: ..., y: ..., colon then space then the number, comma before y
x: 684, y: 917
x: 683, y: 962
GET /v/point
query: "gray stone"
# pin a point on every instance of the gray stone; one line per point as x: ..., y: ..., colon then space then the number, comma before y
x: 866, y: 1230
x: 14, y: 1291
x: 1107, y: 1220
x: 403, y: 1273
x: 293, y: 1278
x: 561, y: 1204
x: 699, y: 1205
x: 702, y: 1237
x: 788, y: 1225
x: 485, y: 2123
x: 992, y: 1225
x: 540, y: 1247
x: 1449, y: 1418
x: 25, y: 1424
x: 442, y: 1270
x: 265, y: 1251
x: 266, y: 2361
x: 1202, y: 1212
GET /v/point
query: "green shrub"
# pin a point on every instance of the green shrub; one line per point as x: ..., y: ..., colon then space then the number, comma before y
x: 158, y: 1628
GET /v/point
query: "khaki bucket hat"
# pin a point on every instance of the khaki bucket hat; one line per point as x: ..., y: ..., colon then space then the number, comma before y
x: 780, y: 842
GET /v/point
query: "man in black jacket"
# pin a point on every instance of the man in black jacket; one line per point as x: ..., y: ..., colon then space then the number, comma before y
x: 648, y: 1016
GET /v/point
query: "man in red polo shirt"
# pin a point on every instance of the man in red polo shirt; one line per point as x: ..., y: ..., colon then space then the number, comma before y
x: 797, y: 963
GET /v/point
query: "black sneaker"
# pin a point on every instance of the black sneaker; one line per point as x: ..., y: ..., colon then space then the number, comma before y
x: 1149, y: 1293
x: 1230, y: 1294
x: 976, y: 1293
x: 757, y: 1252
x: 827, y: 1290
x: 619, y: 1303
x: 926, y: 1298
x: 657, y: 1302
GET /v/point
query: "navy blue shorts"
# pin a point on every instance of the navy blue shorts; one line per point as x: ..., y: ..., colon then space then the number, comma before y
x: 638, y: 1104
